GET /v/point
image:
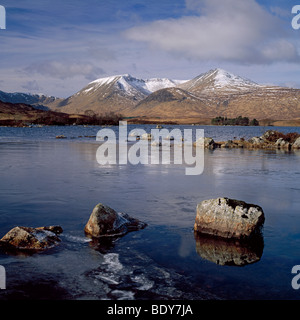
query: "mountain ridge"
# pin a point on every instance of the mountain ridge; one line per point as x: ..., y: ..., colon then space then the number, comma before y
x: 213, y: 93
x: 38, y: 101
x: 118, y: 94
x: 220, y: 93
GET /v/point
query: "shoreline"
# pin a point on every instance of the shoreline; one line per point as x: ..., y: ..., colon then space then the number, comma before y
x: 207, y: 122
x: 270, y: 140
x: 155, y: 121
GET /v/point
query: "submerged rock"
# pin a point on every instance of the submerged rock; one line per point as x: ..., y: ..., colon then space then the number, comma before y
x: 228, y: 218
x: 105, y: 221
x: 26, y: 238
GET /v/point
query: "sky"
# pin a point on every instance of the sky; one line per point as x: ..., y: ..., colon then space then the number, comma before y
x: 58, y: 47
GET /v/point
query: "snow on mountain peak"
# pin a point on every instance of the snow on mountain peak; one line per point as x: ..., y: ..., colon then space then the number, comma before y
x: 107, y: 80
x: 156, y: 84
x: 131, y: 85
x: 223, y: 78
x: 216, y: 79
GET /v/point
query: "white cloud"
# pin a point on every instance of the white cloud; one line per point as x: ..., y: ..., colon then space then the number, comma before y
x: 280, y: 50
x: 228, y: 30
x: 32, y: 86
x: 65, y: 69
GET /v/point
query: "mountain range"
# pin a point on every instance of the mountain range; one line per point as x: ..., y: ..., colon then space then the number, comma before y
x: 211, y: 94
x: 118, y: 94
x: 39, y: 101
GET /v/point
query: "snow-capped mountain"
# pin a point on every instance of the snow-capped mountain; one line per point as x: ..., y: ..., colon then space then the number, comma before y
x: 219, y: 80
x: 221, y: 93
x: 115, y: 93
x: 38, y: 101
x: 214, y: 93
x: 132, y: 86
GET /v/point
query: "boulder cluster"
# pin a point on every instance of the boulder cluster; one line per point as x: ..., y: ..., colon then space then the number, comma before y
x: 271, y: 139
x: 103, y: 222
x: 222, y: 218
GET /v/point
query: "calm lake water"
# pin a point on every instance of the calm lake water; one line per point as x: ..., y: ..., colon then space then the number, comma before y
x: 45, y: 181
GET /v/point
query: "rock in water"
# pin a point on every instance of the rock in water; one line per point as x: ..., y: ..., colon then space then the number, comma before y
x: 105, y: 221
x: 205, y: 142
x: 296, y: 144
x: 228, y: 218
x: 25, y: 238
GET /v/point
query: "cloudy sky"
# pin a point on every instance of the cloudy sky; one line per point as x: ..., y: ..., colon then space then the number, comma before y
x: 57, y: 47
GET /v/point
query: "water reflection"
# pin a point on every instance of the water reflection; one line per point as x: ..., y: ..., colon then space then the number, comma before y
x: 103, y: 244
x: 227, y: 252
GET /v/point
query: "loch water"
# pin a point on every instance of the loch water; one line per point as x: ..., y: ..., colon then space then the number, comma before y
x: 48, y: 181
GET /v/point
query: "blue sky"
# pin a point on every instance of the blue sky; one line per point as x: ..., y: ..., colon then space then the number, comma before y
x: 57, y: 47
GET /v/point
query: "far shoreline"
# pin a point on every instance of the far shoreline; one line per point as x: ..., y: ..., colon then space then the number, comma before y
x: 159, y: 122
x: 207, y: 122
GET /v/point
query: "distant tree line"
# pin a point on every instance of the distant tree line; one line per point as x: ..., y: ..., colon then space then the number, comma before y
x: 108, y: 118
x: 239, y: 121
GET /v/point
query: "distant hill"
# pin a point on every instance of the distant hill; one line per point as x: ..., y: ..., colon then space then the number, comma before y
x: 18, y: 111
x: 20, y: 114
x: 38, y: 101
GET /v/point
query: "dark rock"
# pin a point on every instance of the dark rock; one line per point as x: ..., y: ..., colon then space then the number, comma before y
x: 105, y: 221
x: 26, y: 238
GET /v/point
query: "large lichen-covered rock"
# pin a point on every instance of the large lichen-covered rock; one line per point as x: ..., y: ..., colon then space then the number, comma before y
x: 26, y: 238
x: 105, y: 221
x: 228, y: 218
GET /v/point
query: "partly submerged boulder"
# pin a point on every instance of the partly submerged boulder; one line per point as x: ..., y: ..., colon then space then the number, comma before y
x: 257, y: 140
x: 268, y: 135
x: 205, y: 142
x: 296, y: 144
x: 26, y: 238
x: 228, y: 218
x: 283, y: 144
x: 146, y: 136
x: 105, y: 221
